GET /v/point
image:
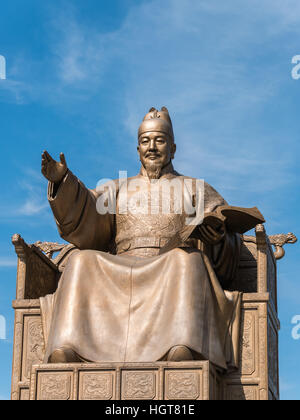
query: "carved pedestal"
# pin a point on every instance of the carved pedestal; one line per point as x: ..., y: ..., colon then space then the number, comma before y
x: 129, y: 381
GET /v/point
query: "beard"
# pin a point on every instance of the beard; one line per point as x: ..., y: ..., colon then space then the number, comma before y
x: 153, y: 170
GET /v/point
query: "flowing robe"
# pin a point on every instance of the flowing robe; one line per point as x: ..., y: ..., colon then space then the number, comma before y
x: 119, y: 300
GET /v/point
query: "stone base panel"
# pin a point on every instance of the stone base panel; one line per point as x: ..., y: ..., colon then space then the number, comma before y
x: 129, y: 381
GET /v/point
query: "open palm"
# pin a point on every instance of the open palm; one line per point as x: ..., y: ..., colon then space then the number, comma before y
x: 52, y: 170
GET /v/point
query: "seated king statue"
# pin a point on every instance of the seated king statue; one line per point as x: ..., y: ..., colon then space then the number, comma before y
x: 121, y: 298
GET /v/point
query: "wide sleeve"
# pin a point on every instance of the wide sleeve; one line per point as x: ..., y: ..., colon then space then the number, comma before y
x: 77, y: 219
x: 225, y: 258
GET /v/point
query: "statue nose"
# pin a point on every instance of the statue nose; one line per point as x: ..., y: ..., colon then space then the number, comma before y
x: 152, y: 145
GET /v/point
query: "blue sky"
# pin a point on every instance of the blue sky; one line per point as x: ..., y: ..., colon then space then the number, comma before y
x: 80, y: 77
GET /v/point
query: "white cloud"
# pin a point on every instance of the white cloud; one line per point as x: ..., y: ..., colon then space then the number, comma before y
x: 31, y: 200
x: 200, y: 59
x: 32, y: 208
x: 8, y: 262
x: 34, y: 191
x: 217, y: 66
x: 77, y: 59
x: 14, y: 91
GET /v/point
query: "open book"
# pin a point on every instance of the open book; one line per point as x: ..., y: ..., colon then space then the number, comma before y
x: 235, y: 219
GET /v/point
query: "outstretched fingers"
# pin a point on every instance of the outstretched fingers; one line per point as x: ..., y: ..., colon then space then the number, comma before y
x: 46, y: 156
x: 45, y: 161
x: 63, y: 160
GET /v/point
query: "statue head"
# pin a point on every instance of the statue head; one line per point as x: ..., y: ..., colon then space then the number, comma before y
x: 156, y: 141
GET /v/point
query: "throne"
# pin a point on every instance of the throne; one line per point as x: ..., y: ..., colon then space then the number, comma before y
x: 39, y: 269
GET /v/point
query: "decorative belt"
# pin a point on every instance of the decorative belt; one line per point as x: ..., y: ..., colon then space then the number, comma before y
x: 141, y: 242
x: 144, y: 242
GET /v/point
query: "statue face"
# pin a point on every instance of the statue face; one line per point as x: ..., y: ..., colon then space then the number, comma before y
x: 156, y: 149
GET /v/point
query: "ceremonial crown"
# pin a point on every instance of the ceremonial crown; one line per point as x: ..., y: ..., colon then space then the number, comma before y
x: 156, y: 120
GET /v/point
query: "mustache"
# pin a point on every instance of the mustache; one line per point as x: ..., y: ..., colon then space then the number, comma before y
x: 154, y: 153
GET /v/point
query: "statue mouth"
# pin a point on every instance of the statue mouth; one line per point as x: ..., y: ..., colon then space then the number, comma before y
x: 153, y: 156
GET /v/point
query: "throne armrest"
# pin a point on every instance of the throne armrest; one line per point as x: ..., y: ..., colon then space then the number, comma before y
x: 37, y: 275
x: 38, y: 272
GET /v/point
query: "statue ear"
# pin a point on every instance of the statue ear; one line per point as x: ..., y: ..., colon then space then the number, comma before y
x: 152, y: 109
x: 165, y: 109
x: 173, y: 150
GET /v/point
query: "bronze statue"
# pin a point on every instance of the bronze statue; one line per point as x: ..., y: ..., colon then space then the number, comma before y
x: 121, y: 299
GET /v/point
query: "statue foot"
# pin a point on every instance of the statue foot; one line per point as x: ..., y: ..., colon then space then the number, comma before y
x: 179, y: 354
x: 64, y: 355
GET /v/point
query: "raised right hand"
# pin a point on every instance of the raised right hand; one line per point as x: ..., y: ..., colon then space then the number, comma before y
x: 52, y: 170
